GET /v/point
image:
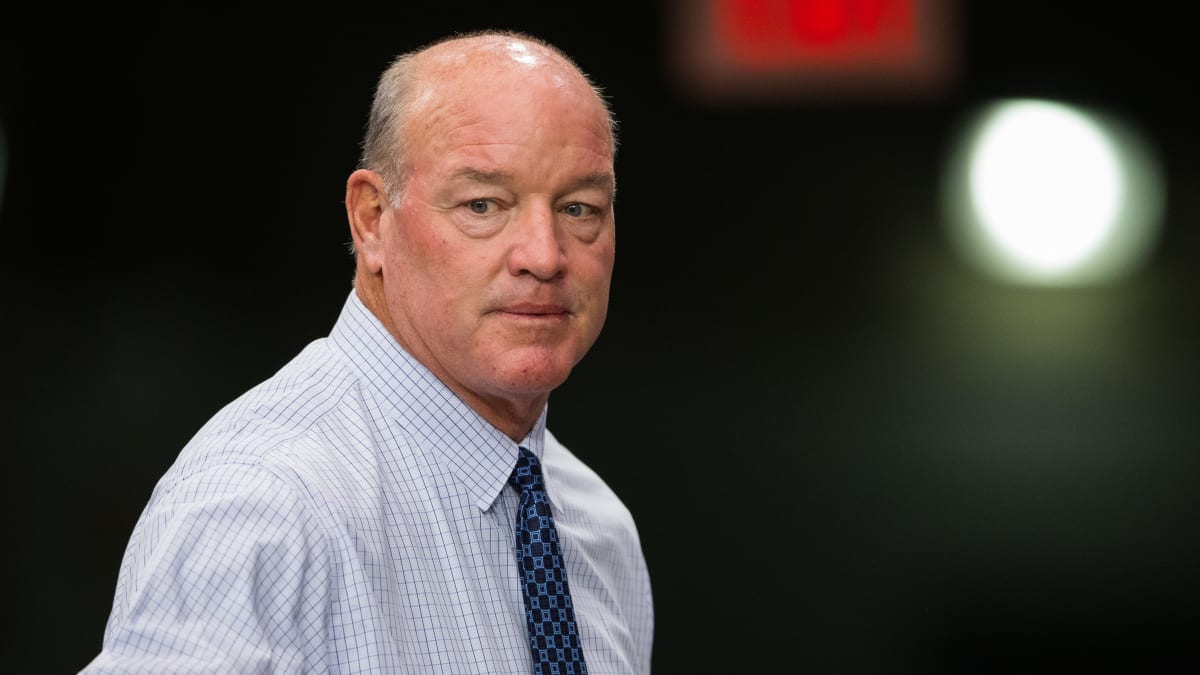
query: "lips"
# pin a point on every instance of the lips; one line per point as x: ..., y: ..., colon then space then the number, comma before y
x: 534, y: 309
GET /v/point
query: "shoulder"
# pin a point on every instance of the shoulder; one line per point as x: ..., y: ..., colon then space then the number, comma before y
x: 227, y: 567
x: 300, y: 440
x: 227, y: 507
x: 311, y: 406
x: 575, y: 486
x: 609, y: 576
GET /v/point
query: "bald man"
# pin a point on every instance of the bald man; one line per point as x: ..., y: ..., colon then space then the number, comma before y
x: 391, y: 500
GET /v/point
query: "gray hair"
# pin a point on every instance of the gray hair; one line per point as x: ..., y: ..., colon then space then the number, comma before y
x: 384, y: 147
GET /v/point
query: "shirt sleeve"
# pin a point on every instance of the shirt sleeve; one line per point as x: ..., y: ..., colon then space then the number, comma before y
x: 226, y: 572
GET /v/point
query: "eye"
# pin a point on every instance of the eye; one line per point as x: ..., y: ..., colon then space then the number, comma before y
x: 577, y: 210
x: 481, y: 207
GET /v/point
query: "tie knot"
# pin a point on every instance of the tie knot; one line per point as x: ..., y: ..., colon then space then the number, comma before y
x: 528, y: 474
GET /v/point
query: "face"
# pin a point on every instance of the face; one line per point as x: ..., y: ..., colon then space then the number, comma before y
x: 496, y: 264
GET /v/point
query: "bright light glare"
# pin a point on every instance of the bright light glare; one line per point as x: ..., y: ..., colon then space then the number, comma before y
x: 1043, y: 193
x: 1046, y: 184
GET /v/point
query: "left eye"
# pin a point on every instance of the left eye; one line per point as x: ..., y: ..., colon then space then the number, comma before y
x: 578, y: 210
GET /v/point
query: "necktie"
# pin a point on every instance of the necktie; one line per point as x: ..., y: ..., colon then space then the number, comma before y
x: 550, y: 616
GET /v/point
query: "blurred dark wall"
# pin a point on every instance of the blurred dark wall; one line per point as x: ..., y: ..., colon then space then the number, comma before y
x: 936, y: 473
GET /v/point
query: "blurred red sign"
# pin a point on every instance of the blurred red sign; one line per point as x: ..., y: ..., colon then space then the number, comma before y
x: 766, y: 33
x: 781, y: 47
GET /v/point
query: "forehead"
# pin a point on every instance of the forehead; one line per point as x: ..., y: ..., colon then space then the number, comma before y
x: 502, y: 90
x: 486, y: 57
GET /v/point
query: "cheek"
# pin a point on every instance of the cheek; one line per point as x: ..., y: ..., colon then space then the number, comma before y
x: 419, y: 255
x: 594, y: 269
x: 606, y: 247
x: 596, y: 263
x: 447, y: 282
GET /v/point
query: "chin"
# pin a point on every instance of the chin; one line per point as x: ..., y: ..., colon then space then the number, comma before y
x: 537, y: 375
x: 533, y: 383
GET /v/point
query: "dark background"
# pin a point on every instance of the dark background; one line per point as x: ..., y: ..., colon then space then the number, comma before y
x: 932, y: 472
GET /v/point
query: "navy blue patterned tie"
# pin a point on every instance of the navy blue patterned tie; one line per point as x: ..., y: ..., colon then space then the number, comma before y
x: 553, y: 636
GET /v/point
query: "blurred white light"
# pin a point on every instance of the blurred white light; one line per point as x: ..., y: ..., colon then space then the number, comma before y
x: 1042, y: 193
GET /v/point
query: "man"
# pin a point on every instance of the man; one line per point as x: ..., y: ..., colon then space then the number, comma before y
x: 391, y: 500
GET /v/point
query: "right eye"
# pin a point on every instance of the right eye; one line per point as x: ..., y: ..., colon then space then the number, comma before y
x: 481, y: 206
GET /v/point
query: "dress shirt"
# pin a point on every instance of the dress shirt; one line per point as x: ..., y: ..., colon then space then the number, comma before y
x: 352, y: 515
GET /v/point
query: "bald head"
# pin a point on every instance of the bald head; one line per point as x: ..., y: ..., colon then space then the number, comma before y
x: 482, y: 219
x: 417, y: 85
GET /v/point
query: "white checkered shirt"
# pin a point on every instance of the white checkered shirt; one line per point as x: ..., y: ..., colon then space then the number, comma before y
x: 351, y: 515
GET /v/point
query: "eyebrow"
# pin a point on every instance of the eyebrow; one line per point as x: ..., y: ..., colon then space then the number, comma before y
x: 603, y: 180
x: 486, y: 177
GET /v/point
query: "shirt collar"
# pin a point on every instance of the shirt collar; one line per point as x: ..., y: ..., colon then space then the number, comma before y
x: 479, y: 455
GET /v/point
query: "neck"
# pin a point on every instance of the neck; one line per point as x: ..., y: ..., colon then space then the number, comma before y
x: 513, y: 416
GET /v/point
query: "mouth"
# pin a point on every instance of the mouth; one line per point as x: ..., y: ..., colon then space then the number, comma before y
x: 530, y: 311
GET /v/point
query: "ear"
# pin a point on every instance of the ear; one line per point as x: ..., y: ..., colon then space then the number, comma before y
x: 366, y: 208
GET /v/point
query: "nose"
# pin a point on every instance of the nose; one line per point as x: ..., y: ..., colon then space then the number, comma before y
x: 537, y: 250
